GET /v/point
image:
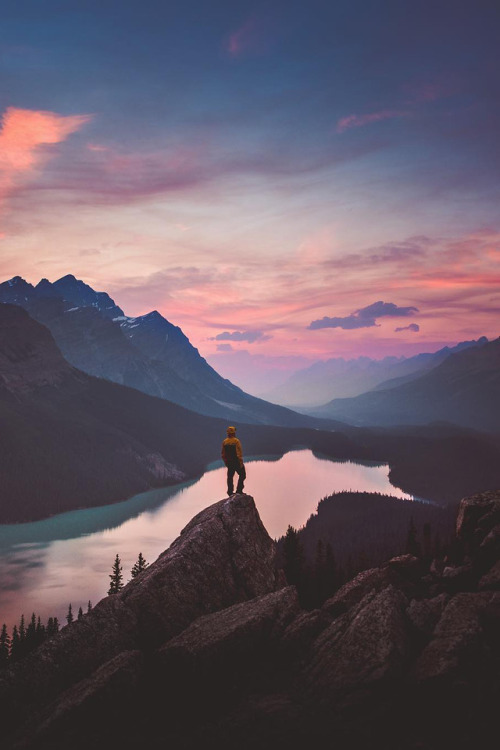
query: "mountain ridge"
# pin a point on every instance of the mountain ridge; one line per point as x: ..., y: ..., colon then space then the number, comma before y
x: 145, y: 352
x: 322, y: 381
x: 463, y: 389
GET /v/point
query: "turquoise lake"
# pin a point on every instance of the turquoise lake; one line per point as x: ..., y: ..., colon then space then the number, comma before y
x: 67, y: 558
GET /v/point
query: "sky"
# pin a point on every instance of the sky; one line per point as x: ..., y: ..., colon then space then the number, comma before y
x: 286, y: 181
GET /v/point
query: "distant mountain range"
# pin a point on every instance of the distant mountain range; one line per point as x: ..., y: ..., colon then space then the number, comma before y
x: 146, y: 352
x: 464, y: 389
x: 345, y: 378
x: 70, y: 440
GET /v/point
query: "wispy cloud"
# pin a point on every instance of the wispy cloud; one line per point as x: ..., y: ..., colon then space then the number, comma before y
x: 365, y: 317
x: 25, y: 138
x: 248, y: 336
x: 358, y: 121
x: 412, y: 327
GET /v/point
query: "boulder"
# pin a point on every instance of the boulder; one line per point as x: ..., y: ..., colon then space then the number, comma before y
x: 477, y: 516
x: 456, y: 647
x: 424, y: 614
x: 231, y: 639
x: 367, y: 646
x: 302, y: 631
x: 223, y: 556
x: 363, y: 584
x: 491, y: 580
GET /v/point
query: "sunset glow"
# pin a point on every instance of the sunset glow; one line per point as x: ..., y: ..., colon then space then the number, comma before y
x: 259, y: 169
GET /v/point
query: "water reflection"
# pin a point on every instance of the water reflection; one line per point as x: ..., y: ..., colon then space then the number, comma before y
x: 47, y: 564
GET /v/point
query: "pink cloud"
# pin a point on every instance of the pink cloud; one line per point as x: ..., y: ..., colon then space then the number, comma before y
x: 358, y: 121
x: 249, y: 37
x: 24, y: 136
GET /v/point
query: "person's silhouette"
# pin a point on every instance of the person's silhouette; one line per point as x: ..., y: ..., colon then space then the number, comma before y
x: 232, y: 456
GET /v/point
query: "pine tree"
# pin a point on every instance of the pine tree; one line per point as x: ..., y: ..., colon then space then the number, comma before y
x: 21, y: 646
x: 69, y: 616
x: 331, y: 573
x: 4, y: 646
x: 41, y: 632
x: 89, y: 607
x: 116, y: 577
x: 294, y: 557
x: 14, y: 646
x: 31, y: 633
x: 139, y: 566
x: 412, y: 545
x: 80, y: 614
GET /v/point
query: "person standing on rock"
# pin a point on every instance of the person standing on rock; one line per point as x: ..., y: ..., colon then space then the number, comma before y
x: 232, y: 455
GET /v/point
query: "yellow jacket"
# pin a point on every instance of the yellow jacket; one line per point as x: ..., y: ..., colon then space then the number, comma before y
x: 231, y: 452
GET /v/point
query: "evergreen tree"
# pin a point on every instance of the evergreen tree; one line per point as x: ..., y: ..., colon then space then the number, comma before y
x: 41, y: 632
x: 139, y: 566
x: 412, y: 545
x: 4, y: 646
x: 80, y: 614
x: 50, y: 627
x: 21, y: 646
x: 294, y: 557
x: 14, y: 646
x: 69, y: 616
x: 56, y: 625
x: 89, y: 607
x: 331, y: 574
x: 116, y: 577
x: 31, y: 633
x: 22, y: 630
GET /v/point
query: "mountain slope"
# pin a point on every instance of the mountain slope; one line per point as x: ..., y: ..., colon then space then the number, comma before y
x: 463, y: 389
x: 341, y: 378
x: 146, y: 352
x: 71, y: 440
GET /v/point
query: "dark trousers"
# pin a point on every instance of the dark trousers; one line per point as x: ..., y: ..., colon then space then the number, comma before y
x: 242, y: 475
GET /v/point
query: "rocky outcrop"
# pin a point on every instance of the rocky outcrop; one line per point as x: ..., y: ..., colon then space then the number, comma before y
x: 209, y: 648
x: 223, y: 556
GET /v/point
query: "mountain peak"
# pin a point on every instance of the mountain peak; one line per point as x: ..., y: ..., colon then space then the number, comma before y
x: 69, y: 278
x: 17, y: 281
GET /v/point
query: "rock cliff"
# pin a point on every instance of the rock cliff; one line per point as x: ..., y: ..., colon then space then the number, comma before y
x: 209, y: 647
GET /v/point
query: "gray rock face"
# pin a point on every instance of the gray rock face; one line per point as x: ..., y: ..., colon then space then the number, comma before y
x: 457, y: 642
x: 400, y: 572
x: 223, y: 556
x: 241, y: 633
x: 425, y: 614
x: 492, y: 579
x: 477, y: 516
x: 369, y: 645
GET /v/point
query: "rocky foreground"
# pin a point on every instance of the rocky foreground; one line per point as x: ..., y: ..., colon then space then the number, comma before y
x: 210, y: 648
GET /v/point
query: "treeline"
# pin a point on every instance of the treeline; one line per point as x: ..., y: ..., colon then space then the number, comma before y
x: 26, y: 638
x: 354, y: 531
